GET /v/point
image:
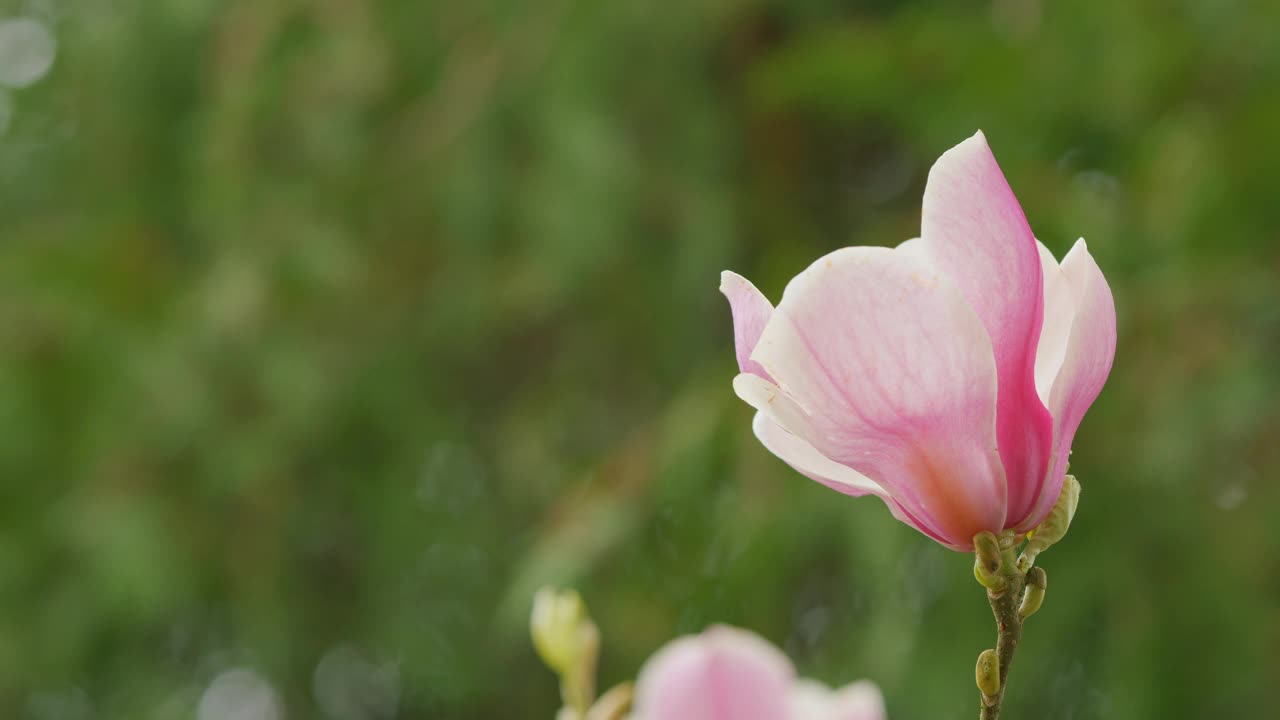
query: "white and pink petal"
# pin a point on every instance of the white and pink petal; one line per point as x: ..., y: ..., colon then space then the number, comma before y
x: 812, y: 700
x: 975, y: 233
x: 1089, y: 351
x: 751, y: 311
x: 722, y: 674
x: 805, y: 459
x: 894, y: 375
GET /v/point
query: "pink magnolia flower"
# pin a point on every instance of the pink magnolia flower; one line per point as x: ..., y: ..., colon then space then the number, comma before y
x: 946, y: 376
x: 731, y: 674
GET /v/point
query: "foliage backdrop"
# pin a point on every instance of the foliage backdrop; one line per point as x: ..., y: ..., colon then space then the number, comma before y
x: 339, y: 326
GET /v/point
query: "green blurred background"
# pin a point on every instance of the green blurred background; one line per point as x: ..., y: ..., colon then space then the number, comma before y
x: 331, y: 329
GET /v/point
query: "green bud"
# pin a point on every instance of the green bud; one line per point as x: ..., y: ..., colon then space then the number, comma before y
x: 557, y: 616
x: 1033, y: 596
x: 993, y: 583
x: 1054, y: 527
x: 987, y: 674
x: 987, y: 563
x: 568, y: 642
x: 987, y: 548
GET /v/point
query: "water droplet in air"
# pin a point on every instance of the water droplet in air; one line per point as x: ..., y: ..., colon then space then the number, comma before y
x: 26, y: 51
x: 1230, y: 497
x: 69, y: 704
x: 240, y: 694
x: 349, y: 686
x: 1097, y: 182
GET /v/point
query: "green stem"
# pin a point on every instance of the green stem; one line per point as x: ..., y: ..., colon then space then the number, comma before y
x: 1004, y: 605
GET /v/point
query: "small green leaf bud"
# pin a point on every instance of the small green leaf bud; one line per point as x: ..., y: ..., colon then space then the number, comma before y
x: 987, y: 674
x: 568, y: 642
x: 557, y: 617
x: 1054, y: 527
x: 987, y: 563
x: 987, y: 548
x: 1033, y: 596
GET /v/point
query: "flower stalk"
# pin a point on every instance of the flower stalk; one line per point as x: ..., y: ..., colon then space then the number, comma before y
x: 1005, y: 603
x: 1015, y: 590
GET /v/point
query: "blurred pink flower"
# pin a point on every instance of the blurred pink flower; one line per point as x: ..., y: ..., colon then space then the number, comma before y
x: 946, y: 376
x: 731, y: 674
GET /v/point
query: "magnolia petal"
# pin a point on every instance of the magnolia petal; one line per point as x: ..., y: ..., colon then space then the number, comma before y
x: 809, y: 700
x: 812, y: 700
x: 1087, y: 358
x: 859, y: 701
x: 976, y: 234
x: 893, y: 376
x: 722, y: 674
x: 769, y: 399
x: 751, y: 311
x: 1059, y: 312
x: 805, y: 459
x: 781, y: 426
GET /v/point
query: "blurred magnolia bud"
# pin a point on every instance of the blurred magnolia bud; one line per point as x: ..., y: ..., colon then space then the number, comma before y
x: 556, y: 627
x: 1054, y: 527
x: 568, y: 642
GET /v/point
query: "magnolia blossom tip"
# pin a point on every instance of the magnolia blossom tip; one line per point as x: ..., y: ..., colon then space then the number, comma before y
x: 971, y: 156
x: 1082, y: 248
x: 729, y: 279
x: 976, y: 142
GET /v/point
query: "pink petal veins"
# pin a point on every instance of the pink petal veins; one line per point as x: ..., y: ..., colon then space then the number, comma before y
x: 975, y: 232
x: 894, y: 376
